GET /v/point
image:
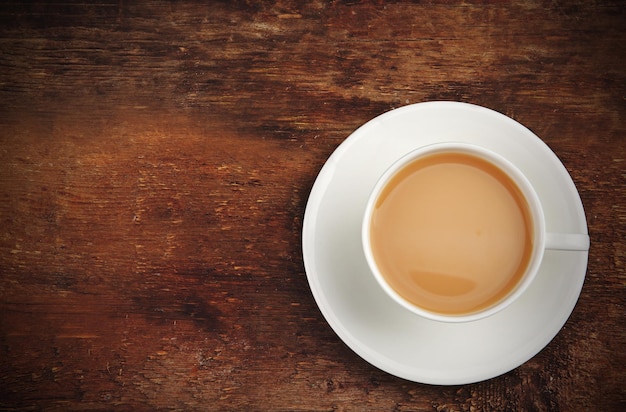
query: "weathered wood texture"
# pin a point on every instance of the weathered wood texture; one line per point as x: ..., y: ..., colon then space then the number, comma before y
x: 155, y: 162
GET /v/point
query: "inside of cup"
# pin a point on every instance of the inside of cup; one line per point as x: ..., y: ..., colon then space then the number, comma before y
x: 536, y: 227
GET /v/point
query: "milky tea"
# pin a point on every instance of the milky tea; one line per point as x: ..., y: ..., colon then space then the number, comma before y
x: 451, y: 233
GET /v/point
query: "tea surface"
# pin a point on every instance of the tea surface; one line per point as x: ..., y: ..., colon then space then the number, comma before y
x: 451, y: 233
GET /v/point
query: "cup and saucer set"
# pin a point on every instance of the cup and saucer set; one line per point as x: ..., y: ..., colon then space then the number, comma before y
x: 377, y: 324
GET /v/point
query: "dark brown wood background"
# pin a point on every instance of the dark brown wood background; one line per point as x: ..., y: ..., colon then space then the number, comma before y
x: 156, y: 159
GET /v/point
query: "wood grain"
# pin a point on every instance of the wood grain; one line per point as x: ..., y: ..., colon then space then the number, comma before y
x: 155, y: 163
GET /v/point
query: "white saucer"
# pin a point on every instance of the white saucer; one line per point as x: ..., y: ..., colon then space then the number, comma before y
x: 389, y: 336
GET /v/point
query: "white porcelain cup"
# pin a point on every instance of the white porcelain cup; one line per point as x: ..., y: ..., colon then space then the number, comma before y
x: 541, y: 240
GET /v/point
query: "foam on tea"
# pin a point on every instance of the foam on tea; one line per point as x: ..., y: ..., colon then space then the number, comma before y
x: 451, y: 233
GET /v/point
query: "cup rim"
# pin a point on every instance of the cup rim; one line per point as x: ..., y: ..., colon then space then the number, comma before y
x: 532, y: 199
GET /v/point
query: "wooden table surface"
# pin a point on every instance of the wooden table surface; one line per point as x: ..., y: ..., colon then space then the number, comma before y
x: 155, y: 163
